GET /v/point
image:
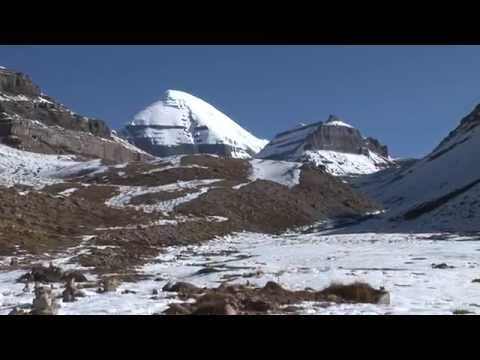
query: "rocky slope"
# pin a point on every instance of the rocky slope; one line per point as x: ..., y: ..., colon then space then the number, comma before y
x: 180, y: 123
x: 334, y: 145
x: 31, y: 120
x: 121, y: 215
x: 440, y: 191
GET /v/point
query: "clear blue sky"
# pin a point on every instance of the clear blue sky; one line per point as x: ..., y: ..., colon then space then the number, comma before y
x: 408, y: 97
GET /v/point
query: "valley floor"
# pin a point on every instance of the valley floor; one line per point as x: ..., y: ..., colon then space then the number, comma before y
x: 401, y: 263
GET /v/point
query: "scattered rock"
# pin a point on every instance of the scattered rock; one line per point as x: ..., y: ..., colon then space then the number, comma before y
x: 272, y: 298
x: 332, y: 298
x: 216, y: 304
x: 182, y: 287
x: 462, y: 312
x: 177, y: 309
x: 108, y: 285
x: 257, y: 274
x: 44, y: 302
x: 358, y: 293
x: 51, y: 274
x: 77, y: 276
x: 43, y: 274
x: 71, y: 292
x: 19, y: 311
x: 126, y: 291
x: 442, y: 266
x: 258, y: 306
x: 207, y: 270
x: 291, y: 309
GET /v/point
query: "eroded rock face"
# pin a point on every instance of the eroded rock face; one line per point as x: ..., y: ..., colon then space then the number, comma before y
x: 332, y: 135
x: 20, y: 96
x: 17, y: 83
x: 35, y: 137
x: 32, y: 121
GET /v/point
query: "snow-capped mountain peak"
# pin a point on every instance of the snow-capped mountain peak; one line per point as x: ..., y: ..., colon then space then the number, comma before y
x: 334, y: 120
x: 183, y: 123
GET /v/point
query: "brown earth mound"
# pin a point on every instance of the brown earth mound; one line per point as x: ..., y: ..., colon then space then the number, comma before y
x: 138, y: 174
x: 272, y: 298
x: 266, y: 206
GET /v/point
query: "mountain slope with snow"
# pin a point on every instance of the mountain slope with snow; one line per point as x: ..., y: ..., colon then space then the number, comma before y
x: 440, y: 191
x: 181, y: 123
x: 334, y: 145
x: 19, y: 167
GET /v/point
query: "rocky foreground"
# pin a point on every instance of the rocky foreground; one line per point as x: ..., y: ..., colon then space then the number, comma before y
x: 110, y: 220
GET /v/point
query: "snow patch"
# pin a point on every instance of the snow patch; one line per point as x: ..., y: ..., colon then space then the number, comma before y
x: 19, y: 167
x: 128, y: 192
x: 338, y: 123
x: 345, y: 164
x: 282, y: 172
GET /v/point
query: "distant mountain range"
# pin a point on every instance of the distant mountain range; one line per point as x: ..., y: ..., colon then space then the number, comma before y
x: 440, y: 191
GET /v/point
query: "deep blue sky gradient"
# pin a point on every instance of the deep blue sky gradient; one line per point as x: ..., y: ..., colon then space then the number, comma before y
x: 408, y: 97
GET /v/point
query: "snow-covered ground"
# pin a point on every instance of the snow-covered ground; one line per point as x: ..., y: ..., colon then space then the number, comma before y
x: 19, y: 167
x: 402, y: 263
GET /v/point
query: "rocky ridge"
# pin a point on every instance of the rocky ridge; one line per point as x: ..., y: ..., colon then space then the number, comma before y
x: 329, y: 144
x: 32, y: 121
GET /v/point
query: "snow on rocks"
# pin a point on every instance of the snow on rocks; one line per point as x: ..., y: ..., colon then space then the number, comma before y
x: 129, y: 192
x: 282, y: 172
x: 439, y: 192
x: 401, y: 263
x: 337, y: 123
x: 345, y: 164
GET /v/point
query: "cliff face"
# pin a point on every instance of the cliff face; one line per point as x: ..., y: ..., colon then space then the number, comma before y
x: 32, y: 121
x: 333, y: 135
x: 335, y: 145
x: 344, y: 139
x: 36, y: 137
x: 17, y: 83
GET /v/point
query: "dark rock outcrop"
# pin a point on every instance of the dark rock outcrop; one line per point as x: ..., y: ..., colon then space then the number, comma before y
x: 241, y: 299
